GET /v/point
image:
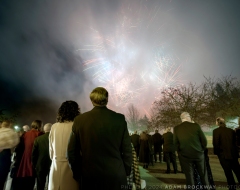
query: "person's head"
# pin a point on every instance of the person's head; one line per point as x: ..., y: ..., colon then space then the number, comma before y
x: 99, y: 97
x: 6, y: 124
x: 36, y: 124
x: 144, y: 136
x: 20, y: 132
x: 185, y: 116
x: 220, y: 122
x: 68, y: 111
x: 26, y: 128
x: 167, y: 129
x: 135, y: 132
x: 47, y: 127
x: 156, y: 131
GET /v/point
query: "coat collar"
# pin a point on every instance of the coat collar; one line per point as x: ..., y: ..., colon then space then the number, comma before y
x: 99, y: 108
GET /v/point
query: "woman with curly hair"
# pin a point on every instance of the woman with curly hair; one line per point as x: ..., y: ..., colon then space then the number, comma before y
x: 61, y: 176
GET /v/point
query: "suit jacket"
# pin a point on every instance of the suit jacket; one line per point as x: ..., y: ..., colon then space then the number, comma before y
x: 168, y: 145
x: 102, y: 137
x: 189, y: 140
x: 237, y: 130
x: 40, y: 154
x: 224, y: 143
x: 157, y: 140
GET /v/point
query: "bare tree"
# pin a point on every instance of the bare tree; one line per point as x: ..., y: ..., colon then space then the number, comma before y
x: 212, y: 98
x: 225, y: 96
x: 133, y: 116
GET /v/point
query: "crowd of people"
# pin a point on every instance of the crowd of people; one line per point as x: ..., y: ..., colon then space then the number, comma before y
x: 190, y: 143
x: 156, y: 147
x: 93, y: 150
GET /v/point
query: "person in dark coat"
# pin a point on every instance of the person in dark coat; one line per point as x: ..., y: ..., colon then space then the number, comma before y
x: 224, y: 146
x: 237, y: 130
x: 169, y: 150
x: 99, y: 150
x: 25, y: 174
x: 157, y: 140
x: 135, y: 142
x: 151, y: 148
x: 18, y: 153
x: 144, y: 149
x: 40, y: 157
x: 197, y: 179
x: 191, y: 142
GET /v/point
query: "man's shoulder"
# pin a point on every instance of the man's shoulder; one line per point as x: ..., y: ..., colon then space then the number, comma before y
x: 157, y: 135
x: 178, y: 126
x: 115, y: 113
x: 43, y: 136
x: 6, y: 130
x: 189, y: 125
x: 167, y: 134
x: 135, y: 135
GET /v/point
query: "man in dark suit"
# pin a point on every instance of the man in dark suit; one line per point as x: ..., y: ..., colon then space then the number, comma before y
x: 237, y: 130
x: 99, y: 150
x: 157, y: 142
x: 224, y: 144
x: 169, y: 150
x: 191, y: 142
x: 135, y: 142
x: 40, y: 157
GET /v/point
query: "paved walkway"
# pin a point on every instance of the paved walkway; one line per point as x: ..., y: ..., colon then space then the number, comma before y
x: 156, y: 178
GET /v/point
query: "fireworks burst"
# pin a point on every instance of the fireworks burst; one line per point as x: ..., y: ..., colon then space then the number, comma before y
x: 126, y: 62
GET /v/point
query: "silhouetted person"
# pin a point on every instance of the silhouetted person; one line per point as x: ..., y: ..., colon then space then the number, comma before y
x: 18, y: 153
x: 135, y: 142
x: 169, y: 150
x: 151, y: 148
x: 237, y: 130
x: 8, y: 139
x: 40, y: 157
x: 191, y: 142
x: 144, y: 149
x: 157, y: 140
x: 99, y: 150
x: 224, y: 144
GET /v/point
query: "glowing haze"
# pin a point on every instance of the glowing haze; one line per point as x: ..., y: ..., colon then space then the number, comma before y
x: 53, y: 51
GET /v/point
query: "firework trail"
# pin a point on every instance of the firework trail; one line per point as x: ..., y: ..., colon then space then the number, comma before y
x: 131, y: 60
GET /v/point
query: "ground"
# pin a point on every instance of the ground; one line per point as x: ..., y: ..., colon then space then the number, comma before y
x: 156, y: 178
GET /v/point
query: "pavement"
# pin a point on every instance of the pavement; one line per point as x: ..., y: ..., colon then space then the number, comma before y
x: 156, y: 179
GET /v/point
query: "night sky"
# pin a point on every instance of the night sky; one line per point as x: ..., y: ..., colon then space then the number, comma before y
x: 53, y: 51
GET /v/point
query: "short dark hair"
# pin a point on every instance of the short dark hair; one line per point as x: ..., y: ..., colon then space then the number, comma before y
x: 68, y: 111
x: 36, y: 124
